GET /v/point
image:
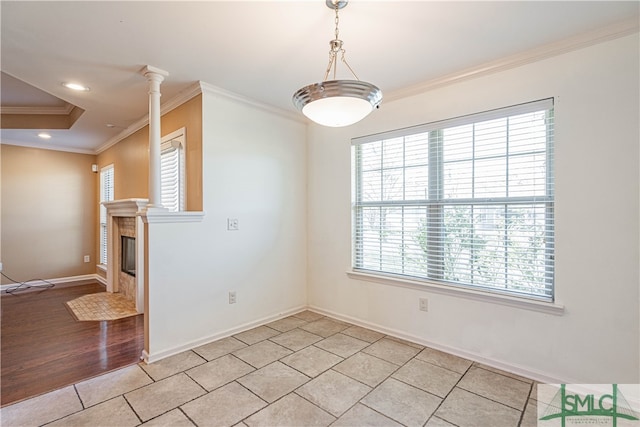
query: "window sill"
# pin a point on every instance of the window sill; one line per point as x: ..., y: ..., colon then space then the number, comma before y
x: 527, y: 304
x: 102, y: 267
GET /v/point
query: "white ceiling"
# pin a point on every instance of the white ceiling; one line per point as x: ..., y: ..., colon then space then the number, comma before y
x: 264, y: 50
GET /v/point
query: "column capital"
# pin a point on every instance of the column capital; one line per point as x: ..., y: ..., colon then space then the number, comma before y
x: 150, y: 72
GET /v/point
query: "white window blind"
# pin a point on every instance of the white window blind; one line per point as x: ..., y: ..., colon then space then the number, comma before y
x: 106, y: 195
x: 172, y: 173
x: 465, y: 202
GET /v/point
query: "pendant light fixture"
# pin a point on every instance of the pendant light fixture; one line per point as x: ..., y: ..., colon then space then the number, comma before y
x: 334, y: 102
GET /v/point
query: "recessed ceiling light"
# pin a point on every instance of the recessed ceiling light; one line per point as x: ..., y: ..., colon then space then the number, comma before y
x: 76, y: 86
x: 112, y: 126
x: 44, y: 135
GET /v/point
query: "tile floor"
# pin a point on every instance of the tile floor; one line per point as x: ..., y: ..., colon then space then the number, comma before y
x: 303, y: 370
x: 102, y: 306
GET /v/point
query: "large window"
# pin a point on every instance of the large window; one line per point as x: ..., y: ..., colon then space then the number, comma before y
x: 106, y: 195
x: 466, y: 202
x: 172, y: 171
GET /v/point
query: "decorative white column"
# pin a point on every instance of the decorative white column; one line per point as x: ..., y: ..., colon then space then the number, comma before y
x: 154, y: 76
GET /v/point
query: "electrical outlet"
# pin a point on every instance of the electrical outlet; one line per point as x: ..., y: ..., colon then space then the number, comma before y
x: 87, y: 258
x: 0, y: 266
x: 232, y: 297
x: 232, y: 224
x: 424, y: 304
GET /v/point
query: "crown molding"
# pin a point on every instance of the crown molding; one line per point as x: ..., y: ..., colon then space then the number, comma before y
x: 59, y: 110
x: 611, y: 32
x: 182, y: 97
x: 47, y: 147
x: 218, y: 91
x: 189, y: 93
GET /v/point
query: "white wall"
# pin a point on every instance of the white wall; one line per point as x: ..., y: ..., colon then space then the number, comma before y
x: 254, y: 170
x: 597, y: 235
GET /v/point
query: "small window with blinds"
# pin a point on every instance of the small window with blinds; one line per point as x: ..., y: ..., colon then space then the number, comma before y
x: 106, y: 195
x: 467, y: 202
x: 172, y: 171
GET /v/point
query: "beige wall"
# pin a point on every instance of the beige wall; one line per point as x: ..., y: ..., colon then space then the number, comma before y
x: 130, y: 157
x: 130, y: 160
x: 189, y: 116
x: 48, y: 212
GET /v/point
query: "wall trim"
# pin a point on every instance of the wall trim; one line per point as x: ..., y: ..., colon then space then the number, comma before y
x: 62, y: 110
x: 494, y: 363
x: 218, y: 91
x: 60, y: 282
x: 156, y: 356
x: 47, y: 147
x: 101, y: 280
x: 164, y: 216
x: 187, y: 94
x: 611, y: 32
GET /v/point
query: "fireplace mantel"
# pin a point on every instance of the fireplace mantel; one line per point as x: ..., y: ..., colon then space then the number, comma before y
x: 126, y: 207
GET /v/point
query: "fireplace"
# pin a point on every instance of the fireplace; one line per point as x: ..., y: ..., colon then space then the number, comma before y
x: 128, y: 255
x: 125, y: 237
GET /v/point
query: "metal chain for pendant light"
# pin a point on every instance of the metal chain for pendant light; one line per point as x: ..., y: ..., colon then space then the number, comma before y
x: 337, y: 20
x: 336, y: 46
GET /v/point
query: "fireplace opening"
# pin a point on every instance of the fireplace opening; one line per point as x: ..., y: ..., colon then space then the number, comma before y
x: 128, y: 255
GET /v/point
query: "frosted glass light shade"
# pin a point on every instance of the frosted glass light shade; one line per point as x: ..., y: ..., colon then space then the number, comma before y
x: 337, y: 111
x: 337, y: 103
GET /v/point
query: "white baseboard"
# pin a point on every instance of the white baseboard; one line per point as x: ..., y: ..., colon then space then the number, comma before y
x: 159, y: 355
x: 101, y: 280
x: 498, y: 364
x: 60, y: 282
x: 514, y: 369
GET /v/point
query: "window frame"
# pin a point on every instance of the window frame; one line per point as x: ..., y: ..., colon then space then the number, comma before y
x: 436, y: 177
x: 176, y: 141
x: 103, y: 237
